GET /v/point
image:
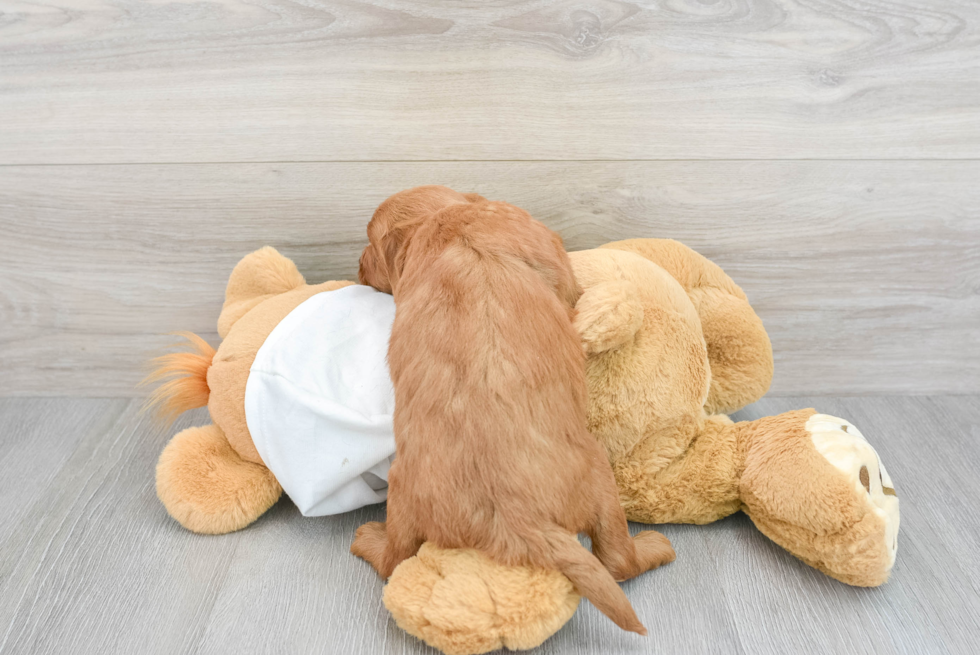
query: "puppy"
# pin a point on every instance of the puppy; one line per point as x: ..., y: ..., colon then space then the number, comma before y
x: 492, y: 447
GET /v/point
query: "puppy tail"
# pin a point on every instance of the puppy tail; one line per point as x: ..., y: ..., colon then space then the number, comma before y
x: 185, y: 379
x: 592, y: 580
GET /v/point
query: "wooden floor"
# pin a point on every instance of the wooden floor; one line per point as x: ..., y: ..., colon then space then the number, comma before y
x: 91, y: 563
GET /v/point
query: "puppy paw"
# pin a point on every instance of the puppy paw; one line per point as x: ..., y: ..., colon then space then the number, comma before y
x: 369, y: 542
x: 653, y: 549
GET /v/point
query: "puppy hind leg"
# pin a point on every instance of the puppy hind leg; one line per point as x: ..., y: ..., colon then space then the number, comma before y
x: 623, y: 556
x: 370, y: 543
x: 403, y: 541
x: 653, y: 549
x: 386, y: 545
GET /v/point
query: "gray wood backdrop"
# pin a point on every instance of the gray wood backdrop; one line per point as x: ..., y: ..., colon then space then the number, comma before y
x: 826, y: 153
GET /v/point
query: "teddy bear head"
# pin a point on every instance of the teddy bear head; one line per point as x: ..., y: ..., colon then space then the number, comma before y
x: 670, y: 338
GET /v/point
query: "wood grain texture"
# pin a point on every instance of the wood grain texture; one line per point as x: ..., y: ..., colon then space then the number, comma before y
x: 36, y: 439
x: 90, y: 562
x: 122, y: 81
x: 867, y: 274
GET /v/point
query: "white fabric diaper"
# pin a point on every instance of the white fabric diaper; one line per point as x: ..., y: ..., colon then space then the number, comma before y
x: 319, y: 401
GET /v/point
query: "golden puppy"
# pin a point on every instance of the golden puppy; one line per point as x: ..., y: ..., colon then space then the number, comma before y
x: 490, y: 400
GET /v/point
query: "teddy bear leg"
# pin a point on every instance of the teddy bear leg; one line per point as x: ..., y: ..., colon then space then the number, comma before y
x: 207, y: 487
x: 698, y: 486
x: 814, y: 485
x: 460, y: 601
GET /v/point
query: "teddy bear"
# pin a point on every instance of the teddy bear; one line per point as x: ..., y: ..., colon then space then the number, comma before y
x: 673, y: 345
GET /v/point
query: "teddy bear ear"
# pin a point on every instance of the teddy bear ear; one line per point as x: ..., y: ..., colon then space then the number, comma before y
x: 607, y: 316
x: 259, y: 275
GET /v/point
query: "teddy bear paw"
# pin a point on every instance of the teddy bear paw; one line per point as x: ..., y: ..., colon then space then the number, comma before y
x: 843, y: 445
x: 463, y: 603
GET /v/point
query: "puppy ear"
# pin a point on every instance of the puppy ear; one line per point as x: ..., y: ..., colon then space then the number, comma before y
x: 607, y: 316
x: 259, y: 275
x: 394, y: 256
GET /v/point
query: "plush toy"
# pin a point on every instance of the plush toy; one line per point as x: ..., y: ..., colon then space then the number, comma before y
x: 672, y: 345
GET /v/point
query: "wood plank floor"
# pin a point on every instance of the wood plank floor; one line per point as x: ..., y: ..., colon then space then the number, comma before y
x: 91, y: 563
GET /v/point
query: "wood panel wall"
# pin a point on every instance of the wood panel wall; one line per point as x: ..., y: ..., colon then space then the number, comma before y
x: 827, y: 154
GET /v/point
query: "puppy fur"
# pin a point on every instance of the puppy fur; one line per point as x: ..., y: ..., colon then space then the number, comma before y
x: 493, y: 452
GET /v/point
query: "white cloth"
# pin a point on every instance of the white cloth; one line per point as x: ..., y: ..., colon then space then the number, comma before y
x: 319, y: 401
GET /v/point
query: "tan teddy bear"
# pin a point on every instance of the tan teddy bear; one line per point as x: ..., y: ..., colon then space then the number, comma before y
x: 672, y: 343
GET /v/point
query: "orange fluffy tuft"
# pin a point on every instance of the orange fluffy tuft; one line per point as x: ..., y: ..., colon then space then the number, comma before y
x: 184, y: 378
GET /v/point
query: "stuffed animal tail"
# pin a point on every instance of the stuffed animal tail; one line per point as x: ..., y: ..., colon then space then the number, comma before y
x: 592, y: 580
x: 184, y: 376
